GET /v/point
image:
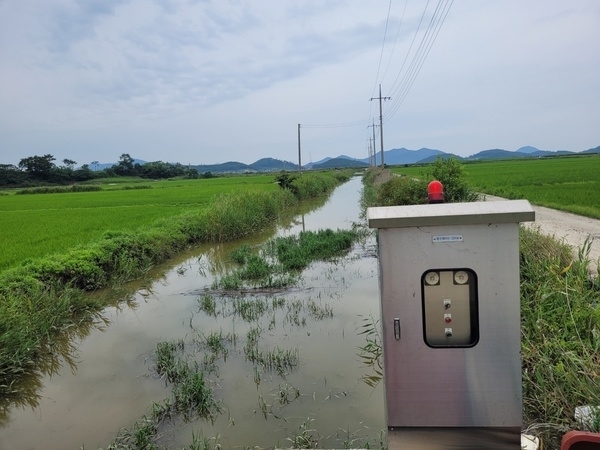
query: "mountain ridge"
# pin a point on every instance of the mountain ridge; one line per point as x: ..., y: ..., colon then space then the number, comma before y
x: 395, y: 156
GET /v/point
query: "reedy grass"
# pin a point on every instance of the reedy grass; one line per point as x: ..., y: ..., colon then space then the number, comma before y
x: 370, y: 354
x: 191, y: 397
x: 30, y: 329
x: 278, y: 263
x: 306, y: 437
x: 560, y: 310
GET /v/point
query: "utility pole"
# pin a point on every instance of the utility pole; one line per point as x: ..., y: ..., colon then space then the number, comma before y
x: 381, y: 120
x: 299, y: 152
x: 374, y: 145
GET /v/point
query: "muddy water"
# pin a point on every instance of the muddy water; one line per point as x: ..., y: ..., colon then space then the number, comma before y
x: 113, y: 382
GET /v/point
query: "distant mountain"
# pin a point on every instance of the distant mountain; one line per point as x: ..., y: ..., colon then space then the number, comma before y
x: 230, y: 166
x: 496, y: 153
x: 432, y: 159
x: 536, y: 152
x: 523, y: 152
x: 592, y: 150
x: 404, y: 156
x: 340, y: 163
x: 271, y: 164
x: 527, y: 149
x: 396, y: 156
x: 541, y: 153
x: 262, y: 165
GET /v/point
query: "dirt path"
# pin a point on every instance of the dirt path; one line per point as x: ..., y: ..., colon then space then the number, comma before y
x: 570, y: 228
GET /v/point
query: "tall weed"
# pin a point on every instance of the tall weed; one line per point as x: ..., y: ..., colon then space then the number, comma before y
x: 560, y: 313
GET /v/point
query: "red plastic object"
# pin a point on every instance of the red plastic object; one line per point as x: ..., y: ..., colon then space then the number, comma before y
x: 435, y: 192
x: 580, y: 440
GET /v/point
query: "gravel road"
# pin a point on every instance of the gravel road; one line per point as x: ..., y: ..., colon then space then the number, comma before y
x: 570, y: 228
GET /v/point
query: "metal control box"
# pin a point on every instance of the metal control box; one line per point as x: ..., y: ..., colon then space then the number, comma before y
x: 450, y: 314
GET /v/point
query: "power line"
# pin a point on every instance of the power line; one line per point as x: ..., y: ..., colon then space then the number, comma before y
x: 395, y: 40
x: 338, y: 125
x: 382, y: 46
x: 437, y: 20
x: 410, y: 47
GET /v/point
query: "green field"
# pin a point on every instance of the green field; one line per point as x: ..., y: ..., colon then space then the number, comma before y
x: 37, y: 225
x: 569, y: 183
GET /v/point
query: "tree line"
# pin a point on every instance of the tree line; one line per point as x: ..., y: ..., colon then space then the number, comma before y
x: 37, y: 170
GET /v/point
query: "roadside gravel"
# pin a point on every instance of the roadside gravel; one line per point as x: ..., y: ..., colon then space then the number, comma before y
x: 569, y: 228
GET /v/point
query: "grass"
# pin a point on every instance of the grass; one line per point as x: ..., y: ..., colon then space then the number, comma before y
x: 567, y: 183
x: 191, y: 397
x: 277, y: 263
x: 305, y: 437
x: 560, y: 313
x: 370, y: 354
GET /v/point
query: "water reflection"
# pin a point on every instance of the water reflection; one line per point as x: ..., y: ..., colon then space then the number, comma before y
x: 24, y: 391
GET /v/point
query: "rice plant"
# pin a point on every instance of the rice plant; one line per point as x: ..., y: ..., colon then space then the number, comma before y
x: 305, y: 437
x: 208, y: 305
x: 370, y: 354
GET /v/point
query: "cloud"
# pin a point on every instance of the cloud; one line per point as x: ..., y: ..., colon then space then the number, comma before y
x: 73, y: 21
x: 142, y: 73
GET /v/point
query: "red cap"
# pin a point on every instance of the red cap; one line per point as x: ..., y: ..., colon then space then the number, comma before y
x: 435, y: 192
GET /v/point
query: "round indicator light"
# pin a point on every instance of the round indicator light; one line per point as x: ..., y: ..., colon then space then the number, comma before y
x: 435, y: 192
x: 432, y: 278
x: 448, y: 319
x: 461, y: 277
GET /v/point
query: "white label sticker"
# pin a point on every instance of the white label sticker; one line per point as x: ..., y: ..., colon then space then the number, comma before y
x: 448, y: 238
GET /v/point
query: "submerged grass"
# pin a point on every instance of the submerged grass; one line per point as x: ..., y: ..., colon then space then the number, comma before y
x: 185, y: 365
x: 191, y: 397
x: 278, y: 263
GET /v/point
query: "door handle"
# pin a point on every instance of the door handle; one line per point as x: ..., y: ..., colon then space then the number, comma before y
x: 397, y: 328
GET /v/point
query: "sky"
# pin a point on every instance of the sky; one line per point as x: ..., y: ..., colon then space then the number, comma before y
x: 211, y: 81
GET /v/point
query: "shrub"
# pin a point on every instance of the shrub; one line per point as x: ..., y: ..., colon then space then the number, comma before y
x: 401, y: 191
x: 450, y: 172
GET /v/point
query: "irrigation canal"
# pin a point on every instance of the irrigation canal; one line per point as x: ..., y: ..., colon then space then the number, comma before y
x: 108, y: 379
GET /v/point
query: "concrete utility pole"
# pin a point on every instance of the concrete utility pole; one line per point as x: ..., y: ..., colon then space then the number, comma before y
x: 374, y: 145
x: 299, y: 152
x: 381, y: 120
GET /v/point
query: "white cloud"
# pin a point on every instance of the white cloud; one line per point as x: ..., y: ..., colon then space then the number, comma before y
x: 206, y: 81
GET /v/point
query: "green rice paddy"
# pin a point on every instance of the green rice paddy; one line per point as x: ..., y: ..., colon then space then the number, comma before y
x: 567, y: 183
x: 38, y: 225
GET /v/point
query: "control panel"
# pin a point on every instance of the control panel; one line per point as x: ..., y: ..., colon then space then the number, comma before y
x: 450, y: 308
